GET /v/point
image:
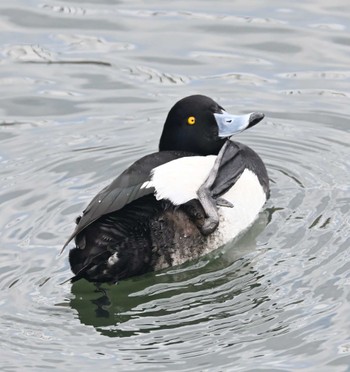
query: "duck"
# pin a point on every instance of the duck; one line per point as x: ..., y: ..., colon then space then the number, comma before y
x: 197, y: 193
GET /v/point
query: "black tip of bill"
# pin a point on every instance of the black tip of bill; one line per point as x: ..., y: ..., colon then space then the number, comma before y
x: 255, y: 118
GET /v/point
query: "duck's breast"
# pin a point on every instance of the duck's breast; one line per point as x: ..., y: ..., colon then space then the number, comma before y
x: 248, y: 197
x: 178, y: 182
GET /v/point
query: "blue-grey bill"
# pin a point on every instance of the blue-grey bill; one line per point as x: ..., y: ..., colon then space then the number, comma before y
x: 229, y: 125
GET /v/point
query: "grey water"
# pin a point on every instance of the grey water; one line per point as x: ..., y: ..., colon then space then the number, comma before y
x: 85, y: 86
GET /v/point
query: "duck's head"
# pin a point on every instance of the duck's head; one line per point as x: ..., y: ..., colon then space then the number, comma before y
x: 198, y: 124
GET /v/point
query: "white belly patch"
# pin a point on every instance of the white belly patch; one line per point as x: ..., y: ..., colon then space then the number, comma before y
x: 247, y: 197
x: 179, y: 180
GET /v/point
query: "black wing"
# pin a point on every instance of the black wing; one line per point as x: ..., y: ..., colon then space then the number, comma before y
x: 231, y: 167
x: 235, y: 160
x: 124, y: 189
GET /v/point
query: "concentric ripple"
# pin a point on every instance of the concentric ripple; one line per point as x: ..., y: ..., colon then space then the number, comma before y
x: 85, y: 87
x: 264, y: 290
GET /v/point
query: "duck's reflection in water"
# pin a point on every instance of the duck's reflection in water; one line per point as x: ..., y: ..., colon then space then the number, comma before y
x: 174, y: 297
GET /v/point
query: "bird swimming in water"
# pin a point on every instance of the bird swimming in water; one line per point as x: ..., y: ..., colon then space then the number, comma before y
x: 198, y: 192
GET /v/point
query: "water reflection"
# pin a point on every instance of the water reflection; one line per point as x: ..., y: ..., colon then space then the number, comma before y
x: 214, y: 287
x: 85, y: 87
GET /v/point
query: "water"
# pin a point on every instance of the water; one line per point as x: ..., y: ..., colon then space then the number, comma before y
x: 85, y: 86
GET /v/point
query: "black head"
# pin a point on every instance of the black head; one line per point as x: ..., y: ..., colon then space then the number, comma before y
x: 198, y: 124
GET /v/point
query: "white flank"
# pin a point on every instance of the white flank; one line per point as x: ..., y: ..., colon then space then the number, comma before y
x: 179, y: 179
x: 247, y: 197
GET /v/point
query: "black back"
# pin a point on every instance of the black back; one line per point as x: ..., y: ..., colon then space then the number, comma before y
x: 124, y: 189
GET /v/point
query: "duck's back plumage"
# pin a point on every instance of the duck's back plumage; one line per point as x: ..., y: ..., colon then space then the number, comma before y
x: 130, y: 185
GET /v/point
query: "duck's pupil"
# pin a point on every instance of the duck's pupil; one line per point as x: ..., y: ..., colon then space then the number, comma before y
x: 191, y: 120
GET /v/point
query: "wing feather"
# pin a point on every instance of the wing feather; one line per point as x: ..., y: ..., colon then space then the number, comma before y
x: 130, y: 185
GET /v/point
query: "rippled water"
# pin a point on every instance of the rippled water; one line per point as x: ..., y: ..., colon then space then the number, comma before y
x: 84, y: 89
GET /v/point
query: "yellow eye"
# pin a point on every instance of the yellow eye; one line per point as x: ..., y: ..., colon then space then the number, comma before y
x: 191, y: 120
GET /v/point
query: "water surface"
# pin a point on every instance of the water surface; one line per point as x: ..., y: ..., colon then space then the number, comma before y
x: 84, y: 90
